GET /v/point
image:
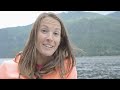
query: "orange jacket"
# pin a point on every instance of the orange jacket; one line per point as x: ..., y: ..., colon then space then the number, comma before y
x: 9, y: 70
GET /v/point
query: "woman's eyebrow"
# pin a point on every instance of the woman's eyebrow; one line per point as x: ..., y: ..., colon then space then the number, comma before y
x: 58, y: 29
x: 44, y: 26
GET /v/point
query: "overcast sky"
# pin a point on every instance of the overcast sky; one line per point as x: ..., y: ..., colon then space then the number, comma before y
x: 22, y: 18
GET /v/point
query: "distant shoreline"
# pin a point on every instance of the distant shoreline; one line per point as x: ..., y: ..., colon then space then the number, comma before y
x: 75, y: 56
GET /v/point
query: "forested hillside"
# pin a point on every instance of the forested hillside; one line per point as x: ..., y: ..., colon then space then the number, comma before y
x: 95, y: 34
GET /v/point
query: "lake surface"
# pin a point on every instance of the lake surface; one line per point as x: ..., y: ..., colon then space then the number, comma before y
x: 99, y: 67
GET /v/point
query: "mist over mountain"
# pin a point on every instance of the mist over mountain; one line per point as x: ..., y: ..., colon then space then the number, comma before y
x: 95, y: 34
x: 115, y: 14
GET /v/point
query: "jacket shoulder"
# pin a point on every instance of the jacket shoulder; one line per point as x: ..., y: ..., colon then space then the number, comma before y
x: 73, y: 73
x: 8, y: 69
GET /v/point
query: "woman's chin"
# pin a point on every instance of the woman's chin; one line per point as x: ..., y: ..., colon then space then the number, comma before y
x: 48, y: 54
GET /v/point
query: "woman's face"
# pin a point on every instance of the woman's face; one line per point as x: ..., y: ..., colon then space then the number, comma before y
x: 49, y: 35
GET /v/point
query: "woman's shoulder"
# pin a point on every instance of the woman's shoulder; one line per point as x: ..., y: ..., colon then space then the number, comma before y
x: 8, y: 69
x: 70, y: 64
x: 17, y: 57
x: 69, y: 61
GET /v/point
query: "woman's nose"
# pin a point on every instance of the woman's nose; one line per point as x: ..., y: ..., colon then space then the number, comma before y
x: 50, y: 37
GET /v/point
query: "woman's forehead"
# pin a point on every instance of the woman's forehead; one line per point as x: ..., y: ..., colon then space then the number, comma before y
x: 51, y: 21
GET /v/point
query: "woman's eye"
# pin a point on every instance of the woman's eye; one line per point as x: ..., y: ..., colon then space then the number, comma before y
x: 44, y: 31
x: 56, y: 33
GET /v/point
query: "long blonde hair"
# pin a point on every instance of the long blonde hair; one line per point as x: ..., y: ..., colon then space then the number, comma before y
x: 28, y: 60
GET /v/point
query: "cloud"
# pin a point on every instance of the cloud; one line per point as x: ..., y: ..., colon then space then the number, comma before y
x: 101, y: 12
x: 19, y: 18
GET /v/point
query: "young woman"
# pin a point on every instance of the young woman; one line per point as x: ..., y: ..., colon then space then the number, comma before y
x: 47, y: 54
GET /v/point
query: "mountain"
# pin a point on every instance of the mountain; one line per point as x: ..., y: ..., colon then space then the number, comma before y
x: 94, y: 34
x: 77, y: 15
x: 12, y: 40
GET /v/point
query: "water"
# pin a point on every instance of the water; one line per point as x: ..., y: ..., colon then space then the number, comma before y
x: 98, y: 67
x: 4, y: 59
x: 105, y: 67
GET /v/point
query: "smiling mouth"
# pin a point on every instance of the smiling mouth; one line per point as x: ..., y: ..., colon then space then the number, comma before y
x: 48, y: 46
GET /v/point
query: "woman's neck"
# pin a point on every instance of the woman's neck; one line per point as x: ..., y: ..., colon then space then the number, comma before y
x: 42, y: 60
